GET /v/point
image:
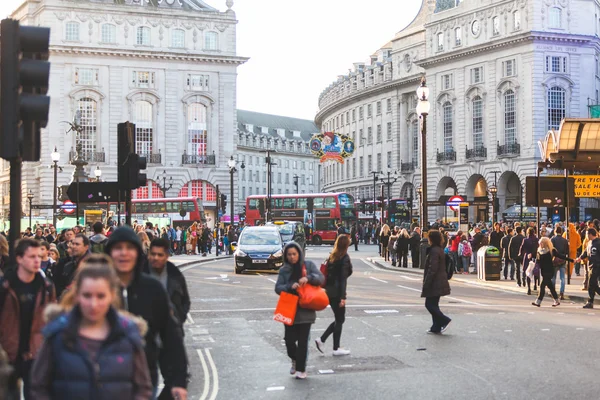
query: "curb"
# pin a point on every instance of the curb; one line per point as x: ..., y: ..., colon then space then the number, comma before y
x: 201, y: 261
x: 574, y: 298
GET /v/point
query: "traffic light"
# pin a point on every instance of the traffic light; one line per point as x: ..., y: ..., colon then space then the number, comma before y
x: 24, y: 75
x: 129, y: 163
x: 363, y: 205
x: 224, y: 203
x: 409, y: 203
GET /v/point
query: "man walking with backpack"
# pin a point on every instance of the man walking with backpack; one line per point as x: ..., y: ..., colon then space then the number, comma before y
x: 99, y: 240
x: 24, y: 294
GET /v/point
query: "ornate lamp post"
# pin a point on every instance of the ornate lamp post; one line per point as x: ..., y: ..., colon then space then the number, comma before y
x: 55, y: 155
x: 493, y: 191
x: 420, y: 194
x: 98, y: 173
x: 164, y: 187
x: 391, y: 179
x: 30, y: 198
x: 423, y: 108
x: 232, y: 170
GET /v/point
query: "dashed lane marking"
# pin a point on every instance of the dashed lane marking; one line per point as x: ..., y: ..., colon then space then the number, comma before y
x: 545, y: 330
x: 472, y: 331
x: 508, y: 330
x: 275, y: 388
x: 272, y: 280
x: 195, y: 265
x: 579, y: 329
x: 378, y: 280
x: 381, y: 311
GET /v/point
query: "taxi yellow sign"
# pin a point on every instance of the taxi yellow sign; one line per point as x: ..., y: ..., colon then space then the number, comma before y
x: 587, y: 185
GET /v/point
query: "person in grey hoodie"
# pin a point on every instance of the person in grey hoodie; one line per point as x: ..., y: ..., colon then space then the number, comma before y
x: 297, y: 272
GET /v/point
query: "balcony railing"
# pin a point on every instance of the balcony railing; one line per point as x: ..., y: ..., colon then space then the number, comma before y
x: 89, y: 156
x: 479, y: 152
x: 189, y: 159
x: 408, y: 167
x: 447, y: 156
x: 509, y: 150
x: 153, y: 158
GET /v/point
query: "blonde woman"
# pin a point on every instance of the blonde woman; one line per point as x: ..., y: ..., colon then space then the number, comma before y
x: 384, y: 238
x: 391, y: 248
x: 194, y: 232
x: 145, y: 241
x: 545, y: 254
x: 402, y: 244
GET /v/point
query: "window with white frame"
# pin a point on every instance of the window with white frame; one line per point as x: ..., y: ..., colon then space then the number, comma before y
x: 389, y: 105
x: 378, y: 107
x: 389, y: 159
x: 109, y: 33
x: 353, y: 115
x: 477, y: 122
x: 347, y: 117
x: 379, y: 135
x: 178, y: 38
x: 555, y: 17
x: 197, y: 130
x: 211, y: 41
x: 510, y: 118
x: 361, y: 135
x: 495, y: 26
x: 458, y: 36
x: 370, y: 135
x: 448, y: 115
x: 144, y: 127
x: 476, y: 75
x: 198, y: 82
x: 86, y: 76
x: 440, y: 41
x: 369, y: 163
x: 361, y: 169
x: 509, y: 68
x: 88, y: 113
x: 517, y: 20
x: 556, y: 64
x: 557, y: 107
x: 142, y: 37
x: 143, y: 79
x: 72, y: 31
x: 414, y: 130
x: 360, y: 112
x: 369, y: 110
x: 447, y: 81
x: 379, y: 165
x: 354, y: 167
x: 389, y: 131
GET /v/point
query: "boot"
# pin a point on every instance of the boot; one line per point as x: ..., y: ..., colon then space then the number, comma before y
x: 556, y: 303
x: 562, y: 296
x: 589, y: 305
x: 528, y: 292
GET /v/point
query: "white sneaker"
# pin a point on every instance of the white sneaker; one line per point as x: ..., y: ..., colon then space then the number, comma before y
x: 300, y: 375
x: 341, y: 352
x: 320, y: 345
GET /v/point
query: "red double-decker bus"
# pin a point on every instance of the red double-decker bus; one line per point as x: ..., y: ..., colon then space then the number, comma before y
x: 319, y: 211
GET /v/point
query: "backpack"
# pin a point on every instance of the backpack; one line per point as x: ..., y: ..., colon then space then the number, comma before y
x: 98, y: 247
x: 449, y: 266
x: 467, y: 251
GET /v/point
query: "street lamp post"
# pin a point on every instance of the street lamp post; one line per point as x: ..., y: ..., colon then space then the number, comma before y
x: 232, y: 170
x: 423, y: 108
x: 164, y: 187
x: 389, y: 182
x: 270, y: 164
x: 375, y: 174
x: 296, y: 177
x: 420, y: 194
x: 494, y: 191
x: 55, y: 155
x: 30, y: 198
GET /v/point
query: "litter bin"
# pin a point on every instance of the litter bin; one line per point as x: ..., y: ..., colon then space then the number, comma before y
x: 489, y: 263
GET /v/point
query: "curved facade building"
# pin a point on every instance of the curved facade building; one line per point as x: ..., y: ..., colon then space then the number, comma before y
x: 501, y: 74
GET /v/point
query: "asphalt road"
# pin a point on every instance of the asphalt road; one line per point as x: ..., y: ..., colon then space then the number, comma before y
x: 498, y: 346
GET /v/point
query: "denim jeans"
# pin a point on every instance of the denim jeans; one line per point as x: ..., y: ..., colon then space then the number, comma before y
x: 561, y: 269
x: 466, y: 261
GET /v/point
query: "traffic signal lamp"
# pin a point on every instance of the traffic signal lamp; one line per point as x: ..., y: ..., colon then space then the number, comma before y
x: 24, y: 75
x: 224, y: 203
x: 135, y: 165
x: 130, y: 164
x: 363, y: 205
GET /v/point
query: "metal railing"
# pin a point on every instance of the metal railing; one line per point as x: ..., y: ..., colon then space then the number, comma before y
x: 89, y: 156
x: 446, y: 156
x: 189, y: 159
x: 155, y: 158
x: 408, y: 166
x: 476, y: 152
x: 507, y: 150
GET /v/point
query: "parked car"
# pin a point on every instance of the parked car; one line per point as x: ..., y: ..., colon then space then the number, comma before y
x: 259, y: 248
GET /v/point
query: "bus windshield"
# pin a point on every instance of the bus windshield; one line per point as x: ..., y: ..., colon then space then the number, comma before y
x: 346, y: 201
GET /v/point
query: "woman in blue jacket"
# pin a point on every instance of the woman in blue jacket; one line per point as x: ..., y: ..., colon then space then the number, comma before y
x: 295, y: 273
x: 91, y: 350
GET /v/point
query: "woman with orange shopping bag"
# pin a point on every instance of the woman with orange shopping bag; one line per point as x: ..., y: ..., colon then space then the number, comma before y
x: 297, y: 272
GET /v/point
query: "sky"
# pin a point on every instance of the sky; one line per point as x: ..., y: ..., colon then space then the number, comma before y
x: 298, y: 47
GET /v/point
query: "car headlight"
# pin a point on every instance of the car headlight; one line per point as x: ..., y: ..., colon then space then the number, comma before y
x: 277, y: 254
x: 240, y: 253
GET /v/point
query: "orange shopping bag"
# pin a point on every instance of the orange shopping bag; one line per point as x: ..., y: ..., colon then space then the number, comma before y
x: 313, y: 297
x: 286, y: 308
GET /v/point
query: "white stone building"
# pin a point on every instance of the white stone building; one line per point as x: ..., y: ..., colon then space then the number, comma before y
x: 501, y: 74
x: 288, y: 140
x: 169, y: 66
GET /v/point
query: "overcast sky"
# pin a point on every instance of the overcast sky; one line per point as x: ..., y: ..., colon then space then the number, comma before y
x: 297, y: 48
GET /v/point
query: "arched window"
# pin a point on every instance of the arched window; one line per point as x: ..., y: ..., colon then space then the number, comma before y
x: 197, y: 130
x: 143, y: 36
x: 151, y: 191
x: 144, y: 127
x: 448, y: 127
x: 477, y: 122
x: 414, y: 130
x: 87, y: 109
x: 211, y: 41
x: 109, y: 33
x: 72, y: 31
x: 178, y: 38
x: 555, y: 17
x: 510, y: 118
x: 556, y: 107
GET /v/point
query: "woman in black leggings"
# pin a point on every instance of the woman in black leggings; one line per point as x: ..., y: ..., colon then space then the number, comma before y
x: 545, y: 254
x: 339, y: 268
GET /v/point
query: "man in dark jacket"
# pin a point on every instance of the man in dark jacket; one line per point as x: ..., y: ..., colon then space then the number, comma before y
x: 514, y: 248
x: 99, y: 240
x: 477, y: 244
x: 504, y: 251
x: 562, y: 246
x: 24, y: 294
x: 144, y: 296
x: 415, y: 240
x: 354, y: 236
x: 64, y: 272
x: 496, y: 236
x: 63, y: 247
x: 593, y: 254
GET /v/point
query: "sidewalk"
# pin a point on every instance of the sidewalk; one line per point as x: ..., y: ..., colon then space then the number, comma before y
x: 185, y: 260
x: 573, y: 291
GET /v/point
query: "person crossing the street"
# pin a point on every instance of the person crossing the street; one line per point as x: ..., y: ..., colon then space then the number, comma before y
x: 514, y: 252
x: 435, y: 282
x: 592, y: 255
x: 545, y: 255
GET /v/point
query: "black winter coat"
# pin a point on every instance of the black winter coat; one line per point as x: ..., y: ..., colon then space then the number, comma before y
x: 402, y: 244
x: 514, y: 247
x: 177, y: 291
x: 435, y: 277
x: 337, y: 277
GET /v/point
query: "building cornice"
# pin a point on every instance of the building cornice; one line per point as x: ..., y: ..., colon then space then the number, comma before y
x: 371, y: 91
x: 86, y: 51
x: 506, y: 42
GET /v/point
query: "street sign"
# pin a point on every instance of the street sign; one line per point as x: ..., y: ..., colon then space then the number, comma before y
x: 68, y: 207
x: 42, y: 206
x: 94, y: 192
x: 587, y: 185
x: 455, y: 199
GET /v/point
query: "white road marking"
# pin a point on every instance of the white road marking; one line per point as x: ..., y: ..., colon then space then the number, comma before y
x: 545, y: 330
x: 508, y: 330
x: 215, y: 374
x: 501, y: 313
x: 397, y: 335
x: 274, y: 388
x: 410, y: 278
x: 212, y: 278
x: 464, y: 301
x: 206, y: 375
x: 472, y: 331
x: 317, y: 330
x: 409, y: 288
x: 190, y: 320
x: 579, y: 329
x: 326, y: 371
x: 381, y: 311
x: 272, y: 280
x: 195, y: 265
x: 408, y: 315
x: 361, y: 338
x: 378, y: 280
x: 346, y: 366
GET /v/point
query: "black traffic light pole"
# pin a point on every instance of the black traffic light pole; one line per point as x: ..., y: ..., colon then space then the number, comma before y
x: 217, y: 220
